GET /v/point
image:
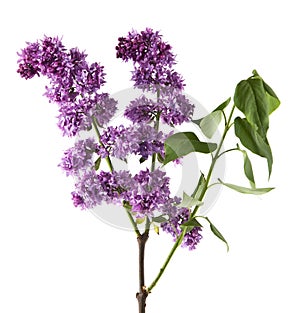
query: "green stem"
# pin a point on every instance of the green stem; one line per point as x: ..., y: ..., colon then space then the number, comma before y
x: 133, y: 223
x: 108, y: 160
x: 214, y: 160
x: 156, y: 127
x: 153, y: 162
x: 233, y: 149
x: 210, y: 171
x: 147, y: 226
x: 214, y: 184
x: 96, y: 130
x: 168, y: 259
x: 225, y: 118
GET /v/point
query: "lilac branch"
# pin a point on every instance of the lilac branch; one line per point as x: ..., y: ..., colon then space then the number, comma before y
x: 143, y: 293
x: 201, y: 197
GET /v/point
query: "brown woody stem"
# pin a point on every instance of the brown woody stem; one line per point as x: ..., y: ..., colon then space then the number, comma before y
x: 143, y: 293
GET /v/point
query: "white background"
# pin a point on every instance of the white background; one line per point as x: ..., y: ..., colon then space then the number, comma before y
x: 56, y: 258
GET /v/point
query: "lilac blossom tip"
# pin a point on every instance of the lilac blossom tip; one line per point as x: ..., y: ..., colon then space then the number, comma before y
x: 79, y: 158
x: 152, y: 58
x: 74, y: 84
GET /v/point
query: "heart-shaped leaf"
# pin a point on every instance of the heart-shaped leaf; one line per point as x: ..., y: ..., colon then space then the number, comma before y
x: 250, y: 98
x: 183, y: 143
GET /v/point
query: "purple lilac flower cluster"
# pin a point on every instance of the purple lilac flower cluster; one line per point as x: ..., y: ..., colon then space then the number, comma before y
x: 111, y: 187
x: 151, y: 193
x: 146, y: 192
x: 153, y: 62
x: 74, y: 83
x: 172, y: 107
x: 191, y: 238
x: 140, y: 139
x: 152, y: 58
x: 79, y: 158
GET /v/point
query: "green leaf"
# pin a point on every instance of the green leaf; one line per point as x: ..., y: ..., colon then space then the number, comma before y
x: 222, y: 106
x: 252, y: 191
x: 248, y: 168
x: 142, y: 160
x: 159, y: 219
x: 273, y: 100
x: 199, y: 189
x: 181, y: 144
x: 197, y: 122
x: 273, y: 103
x: 97, y: 164
x: 156, y: 229
x: 216, y: 232
x: 193, y: 222
x: 250, y: 98
x: 189, y: 225
x: 252, y: 140
x: 188, y: 201
x: 210, y: 123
